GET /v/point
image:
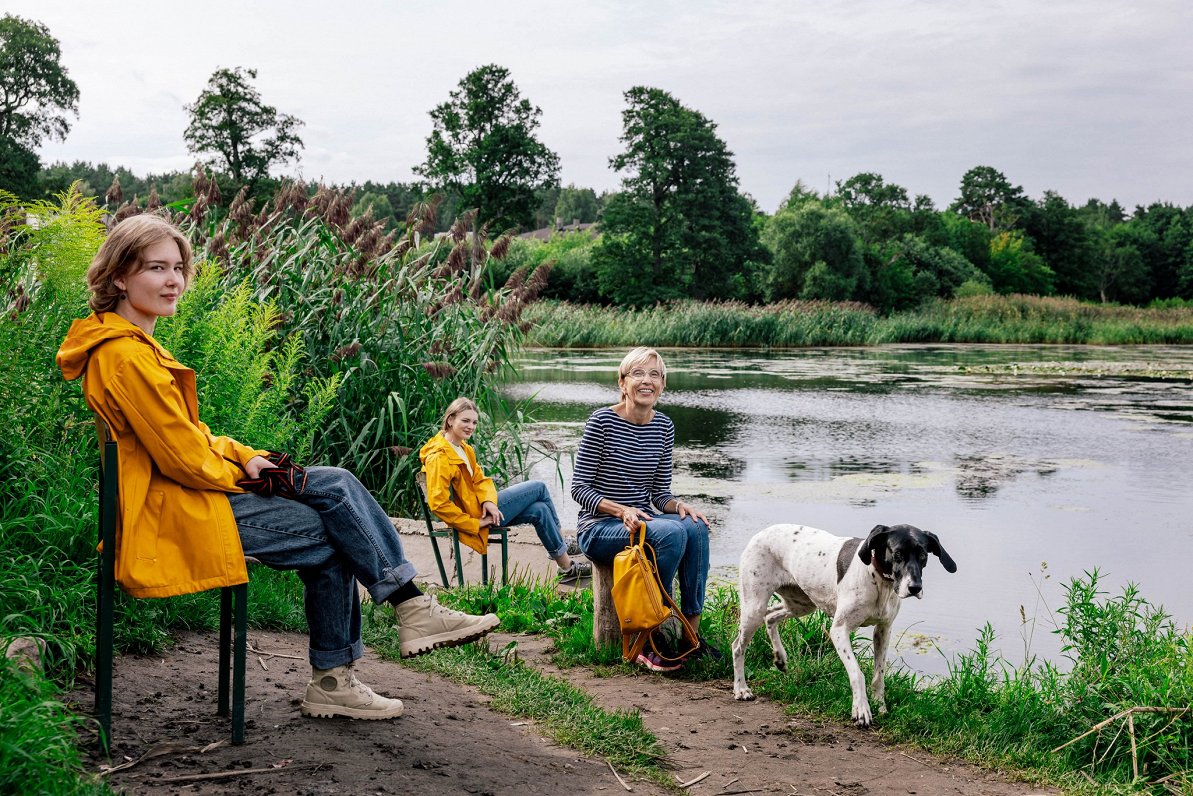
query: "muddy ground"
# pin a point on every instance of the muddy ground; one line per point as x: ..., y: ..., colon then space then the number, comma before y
x: 449, y: 742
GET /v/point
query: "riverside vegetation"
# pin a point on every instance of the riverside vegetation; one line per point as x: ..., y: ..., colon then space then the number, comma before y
x: 320, y: 335
x: 966, y: 319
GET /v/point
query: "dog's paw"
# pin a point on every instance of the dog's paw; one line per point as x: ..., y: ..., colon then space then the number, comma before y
x: 743, y: 694
x: 862, y: 716
x: 881, y: 708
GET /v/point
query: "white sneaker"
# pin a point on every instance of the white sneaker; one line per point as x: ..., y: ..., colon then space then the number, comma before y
x: 427, y: 625
x: 337, y: 692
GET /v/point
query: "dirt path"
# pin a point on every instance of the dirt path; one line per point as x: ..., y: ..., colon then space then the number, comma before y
x: 448, y: 741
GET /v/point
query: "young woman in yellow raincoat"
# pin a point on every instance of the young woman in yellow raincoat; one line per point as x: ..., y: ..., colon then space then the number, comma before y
x: 186, y: 521
x: 460, y: 494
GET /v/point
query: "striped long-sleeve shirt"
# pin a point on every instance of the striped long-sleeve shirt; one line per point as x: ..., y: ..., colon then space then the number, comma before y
x: 623, y: 462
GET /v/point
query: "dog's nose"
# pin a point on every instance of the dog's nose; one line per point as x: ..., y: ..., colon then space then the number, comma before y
x: 914, y: 588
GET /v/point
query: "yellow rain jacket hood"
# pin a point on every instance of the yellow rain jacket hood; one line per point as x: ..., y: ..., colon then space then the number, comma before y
x: 453, y: 493
x: 175, y: 530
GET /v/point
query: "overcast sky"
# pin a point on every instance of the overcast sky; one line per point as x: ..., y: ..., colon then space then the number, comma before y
x: 1089, y: 98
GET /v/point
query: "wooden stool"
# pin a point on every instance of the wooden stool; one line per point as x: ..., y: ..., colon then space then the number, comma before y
x: 605, y: 627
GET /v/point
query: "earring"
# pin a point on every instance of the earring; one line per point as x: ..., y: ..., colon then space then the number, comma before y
x: 124, y: 297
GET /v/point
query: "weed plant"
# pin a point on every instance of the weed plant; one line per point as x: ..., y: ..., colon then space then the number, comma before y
x: 37, y: 738
x: 971, y: 319
x: 406, y: 323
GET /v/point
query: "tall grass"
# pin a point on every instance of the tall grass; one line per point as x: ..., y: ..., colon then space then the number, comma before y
x: 406, y: 324
x: 972, y: 319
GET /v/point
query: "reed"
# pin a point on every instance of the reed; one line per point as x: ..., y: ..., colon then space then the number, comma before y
x: 972, y: 319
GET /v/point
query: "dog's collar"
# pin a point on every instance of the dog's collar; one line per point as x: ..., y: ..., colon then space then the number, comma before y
x: 878, y: 569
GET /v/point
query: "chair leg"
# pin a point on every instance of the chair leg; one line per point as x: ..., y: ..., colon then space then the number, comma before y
x: 103, y: 658
x: 225, y: 665
x: 459, y: 560
x: 439, y: 559
x: 484, y: 569
x: 105, y: 594
x: 241, y: 599
x: 505, y: 558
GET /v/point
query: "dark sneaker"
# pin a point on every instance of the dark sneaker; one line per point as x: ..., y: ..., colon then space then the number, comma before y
x: 573, y: 547
x: 706, y: 650
x: 651, y: 660
x: 578, y: 571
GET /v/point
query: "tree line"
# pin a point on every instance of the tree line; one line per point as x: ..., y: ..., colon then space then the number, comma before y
x: 678, y: 227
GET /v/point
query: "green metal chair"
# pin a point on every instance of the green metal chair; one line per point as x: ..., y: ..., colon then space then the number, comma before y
x: 233, y: 609
x: 496, y: 531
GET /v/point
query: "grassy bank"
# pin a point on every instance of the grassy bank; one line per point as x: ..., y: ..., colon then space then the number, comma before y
x: 1120, y: 651
x: 975, y: 319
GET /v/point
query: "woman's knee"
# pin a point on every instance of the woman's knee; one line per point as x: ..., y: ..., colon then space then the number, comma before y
x: 667, y: 535
x: 328, y: 479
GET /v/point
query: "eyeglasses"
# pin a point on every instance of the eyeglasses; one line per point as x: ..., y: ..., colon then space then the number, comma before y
x: 638, y: 374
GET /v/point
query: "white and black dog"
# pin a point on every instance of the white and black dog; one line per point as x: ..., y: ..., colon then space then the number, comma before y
x: 856, y: 582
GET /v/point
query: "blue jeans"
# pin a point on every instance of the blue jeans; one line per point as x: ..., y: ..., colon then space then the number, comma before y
x: 681, y: 546
x: 334, y: 535
x: 530, y: 502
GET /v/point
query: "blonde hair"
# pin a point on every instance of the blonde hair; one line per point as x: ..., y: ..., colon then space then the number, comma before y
x: 120, y: 255
x: 456, y: 407
x: 640, y: 356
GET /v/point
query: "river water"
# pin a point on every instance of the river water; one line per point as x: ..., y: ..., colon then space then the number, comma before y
x: 1032, y: 464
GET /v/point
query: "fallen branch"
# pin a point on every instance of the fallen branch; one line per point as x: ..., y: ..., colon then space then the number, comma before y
x: 692, y: 782
x: 158, y: 750
x: 256, y: 651
x: 619, y: 779
x: 240, y: 773
x: 1129, y: 714
x: 1116, y: 717
x: 916, y: 759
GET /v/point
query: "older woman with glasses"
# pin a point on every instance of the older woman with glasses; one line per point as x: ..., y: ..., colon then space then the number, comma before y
x: 623, y: 477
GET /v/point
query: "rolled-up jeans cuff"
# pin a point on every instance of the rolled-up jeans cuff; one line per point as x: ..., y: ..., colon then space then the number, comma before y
x: 392, y: 580
x: 330, y: 659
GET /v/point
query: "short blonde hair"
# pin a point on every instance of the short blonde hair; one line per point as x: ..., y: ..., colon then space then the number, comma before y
x: 640, y: 356
x: 456, y: 407
x: 120, y: 255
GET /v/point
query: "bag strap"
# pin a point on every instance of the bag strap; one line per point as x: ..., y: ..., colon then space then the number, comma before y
x: 688, y: 632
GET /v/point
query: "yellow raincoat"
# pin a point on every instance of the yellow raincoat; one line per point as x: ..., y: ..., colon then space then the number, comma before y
x: 175, y: 532
x: 453, y: 493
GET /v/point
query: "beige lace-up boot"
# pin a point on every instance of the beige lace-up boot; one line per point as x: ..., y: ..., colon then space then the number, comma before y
x: 427, y: 625
x: 337, y: 692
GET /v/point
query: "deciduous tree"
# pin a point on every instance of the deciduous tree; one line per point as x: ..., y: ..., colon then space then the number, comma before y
x: 237, y: 131
x: 680, y: 226
x: 817, y: 254
x: 483, y: 149
x: 988, y: 197
x: 36, y: 98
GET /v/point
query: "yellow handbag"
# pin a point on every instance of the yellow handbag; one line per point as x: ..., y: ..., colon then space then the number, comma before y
x: 642, y: 603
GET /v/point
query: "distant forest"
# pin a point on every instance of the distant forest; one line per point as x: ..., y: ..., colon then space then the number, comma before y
x: 678, y: 227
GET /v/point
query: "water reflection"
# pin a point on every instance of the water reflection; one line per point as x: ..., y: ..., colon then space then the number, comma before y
x: 1015, y: 455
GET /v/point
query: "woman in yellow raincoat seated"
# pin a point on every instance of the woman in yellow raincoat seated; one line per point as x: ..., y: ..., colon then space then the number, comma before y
x: 187, y: 518
x: 460, y: 494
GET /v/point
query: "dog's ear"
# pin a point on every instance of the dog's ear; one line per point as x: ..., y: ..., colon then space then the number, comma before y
x: 876, y: 538
x: 935, y: 549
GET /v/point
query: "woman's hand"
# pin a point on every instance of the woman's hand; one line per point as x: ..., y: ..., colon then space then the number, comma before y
x: 490, y: 515
x: 630, y: 517
x: 255, y: 465
x: 684, y: 510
